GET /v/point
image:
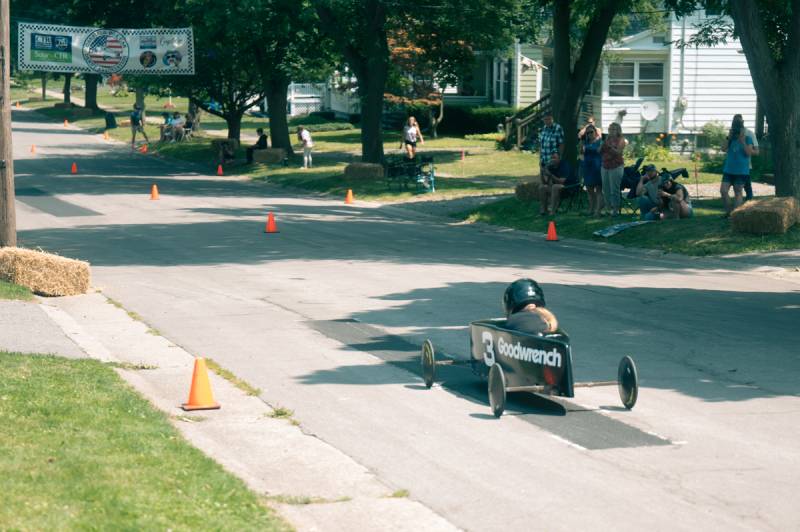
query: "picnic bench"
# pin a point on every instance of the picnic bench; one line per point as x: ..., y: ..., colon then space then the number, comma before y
x: 419, y: 172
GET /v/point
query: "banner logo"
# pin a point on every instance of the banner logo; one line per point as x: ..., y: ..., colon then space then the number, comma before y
x: 105, y: 51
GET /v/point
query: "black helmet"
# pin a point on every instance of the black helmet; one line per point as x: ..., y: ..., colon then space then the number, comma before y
x: 520, y: 293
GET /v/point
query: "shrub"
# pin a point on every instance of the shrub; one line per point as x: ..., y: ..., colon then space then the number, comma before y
x: 462, y: 120
x: 485, y: 136
x: 714, y: 133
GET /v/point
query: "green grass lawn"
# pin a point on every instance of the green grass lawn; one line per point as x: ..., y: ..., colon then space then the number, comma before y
x: 81, y: 450
x: 704, y: 234
x: 14, y: 291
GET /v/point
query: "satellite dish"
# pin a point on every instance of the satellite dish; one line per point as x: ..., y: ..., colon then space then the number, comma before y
x: 650, y: 111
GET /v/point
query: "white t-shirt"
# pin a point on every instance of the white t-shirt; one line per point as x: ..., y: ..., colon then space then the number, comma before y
x: 410, y: 133
x: 178, y: 122
x: 305, y: 136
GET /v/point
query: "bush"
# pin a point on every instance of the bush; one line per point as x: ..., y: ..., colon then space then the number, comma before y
x: 485, y: 136
x: 651, y: 152
x: 462, y: 120
x: 316, y: 121
x: 713, y: 134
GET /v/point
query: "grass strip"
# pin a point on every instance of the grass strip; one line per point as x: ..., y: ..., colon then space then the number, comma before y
x: 706, y: 233
x: 80, y: 450
x: 233, y: 379
x: 14, y: 291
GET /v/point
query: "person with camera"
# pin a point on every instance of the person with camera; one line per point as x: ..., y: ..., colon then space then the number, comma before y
x: 675, y: 202
x: 738, y: 148
x: 647, y: 191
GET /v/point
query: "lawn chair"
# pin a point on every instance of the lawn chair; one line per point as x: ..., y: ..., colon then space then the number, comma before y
x: 630, y: 178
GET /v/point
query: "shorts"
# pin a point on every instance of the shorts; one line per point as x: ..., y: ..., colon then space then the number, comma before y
x: 735, y: 179
x: 412, y: 143
x: 137, y: 128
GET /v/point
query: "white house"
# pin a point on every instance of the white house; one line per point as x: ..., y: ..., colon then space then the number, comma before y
x: 683, y: 88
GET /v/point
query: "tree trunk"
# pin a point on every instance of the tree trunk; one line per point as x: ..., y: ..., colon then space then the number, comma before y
x: 234, y: 121
x: 276, y: 90
x: 91, y: 91
x: 777, y: 85
x: 371, y: 90
x: 44, y: 86
x: 67, y: 88
x: 141, y: 92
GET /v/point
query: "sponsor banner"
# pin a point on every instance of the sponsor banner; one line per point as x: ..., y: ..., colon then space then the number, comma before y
x: 52, y: 48
x: 618, y: 228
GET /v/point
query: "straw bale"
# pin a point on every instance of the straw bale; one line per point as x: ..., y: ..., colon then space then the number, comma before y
x: 43, y: 273
x: 269, y: 155
x: 527, y: 192
x: 766, y: 216
x: 363, y: 171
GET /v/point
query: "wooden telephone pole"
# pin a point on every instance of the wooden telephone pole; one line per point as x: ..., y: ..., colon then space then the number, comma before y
x: 8, y: 219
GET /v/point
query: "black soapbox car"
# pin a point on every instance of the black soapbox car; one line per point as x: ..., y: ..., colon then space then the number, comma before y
x: 516, y: 361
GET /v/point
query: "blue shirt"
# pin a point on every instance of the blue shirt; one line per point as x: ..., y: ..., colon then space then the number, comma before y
x: 737, y: 162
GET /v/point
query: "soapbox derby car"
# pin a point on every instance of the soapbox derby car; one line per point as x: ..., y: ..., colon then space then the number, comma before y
x: 516, y: 361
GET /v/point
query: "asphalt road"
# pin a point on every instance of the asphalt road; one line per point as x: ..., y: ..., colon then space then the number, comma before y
x: 327, y: 316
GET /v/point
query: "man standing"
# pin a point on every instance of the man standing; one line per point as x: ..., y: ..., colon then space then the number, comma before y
x: 137, y: 125
x: 261, y: 144
x: 551, y: 140
x: 748, y: 185
x: 304, y: 136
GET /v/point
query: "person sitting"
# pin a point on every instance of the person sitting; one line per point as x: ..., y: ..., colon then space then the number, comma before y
x: 165, y: 128
x: 525, y: 309
x: 261, y: 144
x: 675, y: 202
x: 647, y: 190
x: 177, y: 127
x: 556, y: 175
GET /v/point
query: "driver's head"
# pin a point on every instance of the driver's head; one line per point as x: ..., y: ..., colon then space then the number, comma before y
x: 521, y: 293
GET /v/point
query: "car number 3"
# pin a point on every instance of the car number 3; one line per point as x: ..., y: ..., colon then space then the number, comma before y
x: 488, y: 348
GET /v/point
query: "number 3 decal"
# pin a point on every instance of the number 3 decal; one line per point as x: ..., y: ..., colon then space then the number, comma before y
x: 488, y: 348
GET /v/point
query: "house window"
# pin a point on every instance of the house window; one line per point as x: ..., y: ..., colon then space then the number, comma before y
x: 636, y: 80
x: 621, y: 79
x: 502, y: 81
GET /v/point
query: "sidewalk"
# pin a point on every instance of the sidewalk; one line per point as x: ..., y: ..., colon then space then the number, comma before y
x: 273, y: 456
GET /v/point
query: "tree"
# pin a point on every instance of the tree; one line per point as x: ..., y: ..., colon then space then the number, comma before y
x: 579, y: 30
x: 769, y: 31
x: 227, y: 80
x: 290, y: 47
x: 361, y: 28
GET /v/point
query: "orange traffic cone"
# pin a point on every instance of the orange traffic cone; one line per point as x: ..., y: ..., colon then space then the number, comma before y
x: 105, y: 135
x: 18, y: 105
x: 143, y: 149
x: 200, y: 396
x: 154, y: 192
x: 66, y: 122
x: 272, y: 227
x: 551, y: 232
x: 219, y: 169
x: 33, y: 148
x: 74, y: 168
x: 348, y: 199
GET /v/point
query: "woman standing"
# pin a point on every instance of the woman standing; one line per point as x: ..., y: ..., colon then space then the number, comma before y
x: 411, y: 134
x: 736, y: 172
x: 613, y: 166
x: 304, y: 136
x: 592, y: 162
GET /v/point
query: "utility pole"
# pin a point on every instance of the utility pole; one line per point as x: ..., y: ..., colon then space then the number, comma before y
x: 8, y: 219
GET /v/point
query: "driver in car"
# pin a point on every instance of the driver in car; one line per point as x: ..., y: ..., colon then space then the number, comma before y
x: 525, y: 308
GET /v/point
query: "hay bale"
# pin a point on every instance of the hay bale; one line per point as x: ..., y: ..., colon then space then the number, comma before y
x: 269, y: 155
x: 527, y: 192
x: 364, y: 171
x: 766, y: 216
x: 43, y: 273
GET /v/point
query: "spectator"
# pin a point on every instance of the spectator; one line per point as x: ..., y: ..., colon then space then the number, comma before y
x: 261, y: 144
x: 613, y: 167
x: 411, y: 134
x: 137, y: 125
x: 647, y: 191
x: 589, y: 123
x: 525, y: 309
x: 748, y: 185
x: 555, y: 176
x: 304, y: 136
x: 551, y: 140
x: 165, y: 128
x: 592, y: 162
x: 177, y: 126
x: 738, y: 147
x: 675, y: 202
